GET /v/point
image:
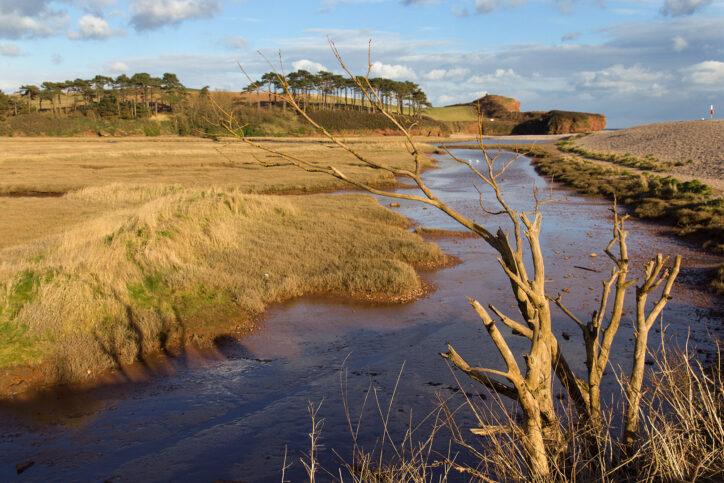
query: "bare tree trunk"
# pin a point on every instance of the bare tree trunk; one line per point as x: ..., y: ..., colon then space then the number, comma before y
x: 644, y: 323
x: 531, y: 386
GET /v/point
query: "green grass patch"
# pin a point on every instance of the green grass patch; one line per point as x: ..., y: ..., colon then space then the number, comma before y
x: 648, y: 162
x: 15, y: 345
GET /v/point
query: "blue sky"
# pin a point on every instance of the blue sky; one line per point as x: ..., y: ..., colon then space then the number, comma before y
x: 636, y: 62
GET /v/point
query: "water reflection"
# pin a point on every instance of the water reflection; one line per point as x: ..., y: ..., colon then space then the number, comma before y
x: 233, y: 418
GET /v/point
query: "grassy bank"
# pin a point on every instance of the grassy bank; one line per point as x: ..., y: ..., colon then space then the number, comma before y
x: 179, y: 265
x: 203, y: 121
x: 150, y: 243
x: 688, y: 206
x: 41, y: 124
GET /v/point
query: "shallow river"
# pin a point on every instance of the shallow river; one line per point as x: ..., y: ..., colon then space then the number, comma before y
x: 232, y: 414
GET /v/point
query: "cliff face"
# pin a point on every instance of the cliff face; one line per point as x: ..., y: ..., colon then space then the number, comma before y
x: 507, y: 110
x: 564, y: 122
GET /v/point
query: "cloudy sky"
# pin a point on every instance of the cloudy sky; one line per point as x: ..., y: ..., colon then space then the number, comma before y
x: 637, y: 61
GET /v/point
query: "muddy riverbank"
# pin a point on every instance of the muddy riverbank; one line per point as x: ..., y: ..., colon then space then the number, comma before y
x: 233, y: 413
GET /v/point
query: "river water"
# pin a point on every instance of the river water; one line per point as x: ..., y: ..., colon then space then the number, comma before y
x: 234, y: 413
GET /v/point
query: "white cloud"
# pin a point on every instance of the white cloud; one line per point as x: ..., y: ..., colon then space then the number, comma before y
x: 390, y: 71
x: 31, y: 18
x: 308, y: 65
x: 235, y: 42
x: 117, y: 67
x: 706, y: 75
x: 500, y: 76
x: 444, y: 100
x: 17, y: 26
x: 150, y: 15
x: 454, y: 73
x: 457, y: 72
x: 435, y: 74
x: 460, y: 12
x: 676, y: 8
x: 621, y: 79
x: 9, y: 50
x: 95, y: 28
x: 56, y: 58
x: 680, y: 43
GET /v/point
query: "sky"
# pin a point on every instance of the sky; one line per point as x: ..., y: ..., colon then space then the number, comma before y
x: 636, y: 62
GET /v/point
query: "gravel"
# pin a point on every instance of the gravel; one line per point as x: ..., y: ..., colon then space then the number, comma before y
x: 700, y: 141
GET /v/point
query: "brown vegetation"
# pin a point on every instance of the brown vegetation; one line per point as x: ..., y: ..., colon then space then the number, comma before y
x: 58, y: 166
x: 151, y: 243
x: 173, y: 265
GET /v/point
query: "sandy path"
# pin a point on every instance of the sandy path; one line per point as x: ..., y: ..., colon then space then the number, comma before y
x: 700, y: 141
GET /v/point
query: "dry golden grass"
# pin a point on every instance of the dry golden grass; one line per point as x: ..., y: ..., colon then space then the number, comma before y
x: 175, y: 264
x: 60, y: 165
x: 158, y: 242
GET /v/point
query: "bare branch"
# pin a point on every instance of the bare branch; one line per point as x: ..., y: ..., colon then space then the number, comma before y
x: 480, y: 375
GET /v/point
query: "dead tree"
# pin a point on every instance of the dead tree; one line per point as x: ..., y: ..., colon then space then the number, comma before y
x: 530, y: 384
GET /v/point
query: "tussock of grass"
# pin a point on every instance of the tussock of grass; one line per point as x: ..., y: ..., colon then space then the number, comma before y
x: 187, y: 264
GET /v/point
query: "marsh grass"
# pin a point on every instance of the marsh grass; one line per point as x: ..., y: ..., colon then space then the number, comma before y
x: 681, y: 435
x: 176, y: 265
x: 648, y: 162
x: 689, y: 206
x: 58, y: 166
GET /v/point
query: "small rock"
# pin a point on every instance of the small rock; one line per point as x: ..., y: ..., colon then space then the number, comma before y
x: 566, y: 335
x: 394, y: 205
